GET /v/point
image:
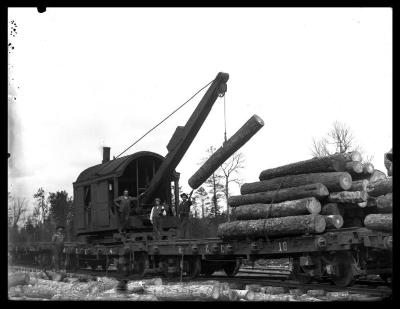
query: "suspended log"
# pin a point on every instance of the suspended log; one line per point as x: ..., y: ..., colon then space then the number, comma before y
x: 377, y: 175
x: 335, y: 181
x: 316, y: 190
x: 241, y: 137
x: 380, y: 187
x: 334, y: 221
x: 354, y: 167
x: 348, y: 197
x: 18, y: 278
x: 334, y: 163
x: 184, y: 291
x: 384, y: 203
x: 379, y: 222
x: 359, y: 185
x: 366, y: 173
x: 332, y: 209
x: 304, y: 206
x: 294, y: 225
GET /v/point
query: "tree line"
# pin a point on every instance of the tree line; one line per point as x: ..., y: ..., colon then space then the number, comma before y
x: 50, y: 210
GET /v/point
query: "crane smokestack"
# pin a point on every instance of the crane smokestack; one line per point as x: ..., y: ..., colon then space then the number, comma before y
x: 106, y: 154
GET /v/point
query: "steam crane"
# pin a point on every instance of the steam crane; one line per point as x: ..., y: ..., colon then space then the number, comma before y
x: 144, y: 174
x: 183, y: 136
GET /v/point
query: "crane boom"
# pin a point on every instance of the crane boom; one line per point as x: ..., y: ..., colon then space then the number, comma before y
x: 183, y: 136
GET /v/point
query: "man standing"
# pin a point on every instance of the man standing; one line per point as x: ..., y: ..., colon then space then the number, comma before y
x: 157, y: 211
x: 183, y: 214
x: 123, y: 204
x: 58, y: 246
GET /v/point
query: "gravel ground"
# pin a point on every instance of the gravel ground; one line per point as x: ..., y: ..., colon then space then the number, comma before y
x: 103, y: 288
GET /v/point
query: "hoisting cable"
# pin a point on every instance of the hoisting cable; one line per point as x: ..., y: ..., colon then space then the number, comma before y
x: 182, y: 105
x: 164, y: 119
x: 225, y: 119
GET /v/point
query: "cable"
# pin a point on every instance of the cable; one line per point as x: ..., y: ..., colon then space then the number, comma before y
x: 164, y: 119
x: 156, y: 126
x: 225, y: 119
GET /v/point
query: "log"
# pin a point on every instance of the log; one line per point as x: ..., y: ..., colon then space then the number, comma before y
x: 184, y: 291
x: 380, y: 187
x: 354, y: 167
x: 335, y: 181
x: 253, y: 287
x: 316, y: 190
x: 315, y: 293
x: 304, y: 206
x: 294, y: 225
x: 334, y: 163
x: 273, y: 290
x: 384, y: 203
x: 377, y: 175
x: 295, y: 292
x: 55, y: 276
x: 334, y: 221
x: 18, y: 278
x: 359, y: 185
x: 332, y: 209
x: 241, y: 137
x: 244, y: 294
x: 366, y: 172
x: 268, y: 297
x: 368, y: 168
x: 348, y: 197
x: 379, y: 222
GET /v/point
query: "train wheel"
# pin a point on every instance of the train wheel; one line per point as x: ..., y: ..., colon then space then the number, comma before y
x: 194, y: 266
x: 299, y: 274
x: 232, y: 269
x: 207, y: 269
x: 344, y: 269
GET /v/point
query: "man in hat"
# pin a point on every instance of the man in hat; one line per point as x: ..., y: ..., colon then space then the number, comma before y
x: 58, y: 246
x: 157, y: 212
x: 123, y: 204
x: 183, y: 214
x: 389, y: 162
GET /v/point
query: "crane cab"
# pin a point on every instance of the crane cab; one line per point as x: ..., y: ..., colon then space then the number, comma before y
x: 96, y: 188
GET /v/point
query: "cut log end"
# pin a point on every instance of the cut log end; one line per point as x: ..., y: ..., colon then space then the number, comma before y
x: 345, y: 181
x: 334, y: 221
x: 354, y: 167
x: 368, y: 168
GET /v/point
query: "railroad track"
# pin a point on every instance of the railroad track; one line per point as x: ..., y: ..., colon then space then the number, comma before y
x: 364, y: 287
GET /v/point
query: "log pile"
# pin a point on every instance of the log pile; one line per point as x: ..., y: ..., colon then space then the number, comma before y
x: 311, y: 196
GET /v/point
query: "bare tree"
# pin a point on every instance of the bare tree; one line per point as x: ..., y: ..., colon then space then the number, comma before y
x: 339, y: 139
x: 17, y: 207
x: 230, y: 170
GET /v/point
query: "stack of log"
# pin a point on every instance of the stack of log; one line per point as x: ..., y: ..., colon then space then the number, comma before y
x: 311, y: 196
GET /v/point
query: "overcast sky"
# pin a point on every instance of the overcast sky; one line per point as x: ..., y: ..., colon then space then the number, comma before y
x: 90, y: 77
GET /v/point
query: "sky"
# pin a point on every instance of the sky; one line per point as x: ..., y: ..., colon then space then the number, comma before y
x: 84, y: 78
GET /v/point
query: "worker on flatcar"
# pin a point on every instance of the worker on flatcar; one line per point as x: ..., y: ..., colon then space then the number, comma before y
x: 157, y: 212
x: 123, y: 204
x: 58, y: 246
x: 183, y: 214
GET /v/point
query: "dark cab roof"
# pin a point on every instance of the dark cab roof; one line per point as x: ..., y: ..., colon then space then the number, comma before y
x: 112, y: 168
